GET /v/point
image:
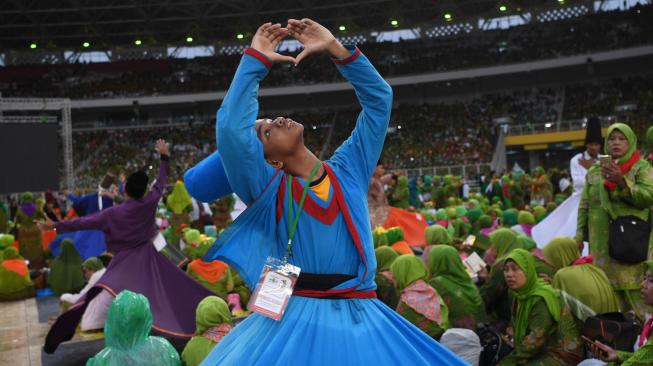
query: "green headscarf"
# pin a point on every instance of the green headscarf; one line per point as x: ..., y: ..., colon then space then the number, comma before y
x: 27, y: 197
x: 66, y: 274
x: 437, y: 234
x: 550, y: 207
x: 539, y: 171
x: 606, y: 204
x: 528, y: 295
x: 526, y: 242
x: 460, y: 228
x: 379, y: 237
x: 192, y: 236
x: 10, y: 253
x: 510, y: 217
x: 525, y: 217
x: 394, y: 234
x: 6, y: 240
x: 441, y: 214
x: 451, y: 213
x: 126, y: 336
x: 504, y: 241
x: 384, y: 258
x: 540, y: 213
x: 460, y: 211
x: 485, y: 221
x: 179, y: 199
x: 447, y: 269
x: 93, y: 263
x: 407, y: 269
x: 649, y: 136
x: 473, y: 214
x: 211, y: 312
x: 649, y: 264
x: 561, y: 252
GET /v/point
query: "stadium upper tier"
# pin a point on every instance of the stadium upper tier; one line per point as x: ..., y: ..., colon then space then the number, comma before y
x: 460, y: 50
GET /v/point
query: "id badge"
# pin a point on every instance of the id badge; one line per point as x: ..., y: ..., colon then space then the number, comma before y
x: 275, y: 286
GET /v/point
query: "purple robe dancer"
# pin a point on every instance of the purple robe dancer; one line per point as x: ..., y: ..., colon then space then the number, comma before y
x: 136, y: 266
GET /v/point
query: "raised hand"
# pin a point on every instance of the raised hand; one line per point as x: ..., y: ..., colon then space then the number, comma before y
x: 267, y: 39
x: 162, y: 147
x: 315, y: 39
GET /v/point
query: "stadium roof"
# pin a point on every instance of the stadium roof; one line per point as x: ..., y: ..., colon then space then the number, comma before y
x: 110, y: 23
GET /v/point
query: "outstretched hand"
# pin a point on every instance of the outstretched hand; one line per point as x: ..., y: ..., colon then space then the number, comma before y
x: 315, y: 38
x: 46, y: 225
x: 162, y: 147
x: 267, y: 38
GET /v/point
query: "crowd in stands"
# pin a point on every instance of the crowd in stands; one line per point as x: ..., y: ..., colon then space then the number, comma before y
x: 596, y: 32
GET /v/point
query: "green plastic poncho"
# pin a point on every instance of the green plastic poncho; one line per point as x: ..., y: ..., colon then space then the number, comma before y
x: 452, y: 282
x: 527, y: 295
x: 126, y: 331
x: 384, y: 258
x: 15, y: 283
x: 585, y: 282
x: 179, y: 200
x: 66, y: 275
x: 407, y: 269
x: 211, y: 312
x: 525, y: 217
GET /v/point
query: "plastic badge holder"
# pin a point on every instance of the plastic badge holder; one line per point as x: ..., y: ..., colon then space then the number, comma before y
x: 274, y: 289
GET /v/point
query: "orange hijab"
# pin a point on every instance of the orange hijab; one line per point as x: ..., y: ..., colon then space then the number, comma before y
x: 210, y: 271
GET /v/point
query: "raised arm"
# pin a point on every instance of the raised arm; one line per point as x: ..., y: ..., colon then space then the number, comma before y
x: 242, y: 152
x: 207, y: 181
x: 361, y: 151
x: 95, y: 221
x: 157, y: 189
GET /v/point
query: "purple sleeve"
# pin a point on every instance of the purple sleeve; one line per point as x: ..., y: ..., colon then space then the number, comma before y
x: 159, y: 185
x: 94, y: 221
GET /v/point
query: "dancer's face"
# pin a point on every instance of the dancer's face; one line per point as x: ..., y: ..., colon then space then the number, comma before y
x: 281, y: 137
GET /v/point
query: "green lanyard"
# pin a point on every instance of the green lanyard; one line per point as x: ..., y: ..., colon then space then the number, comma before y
x: 292, y: 223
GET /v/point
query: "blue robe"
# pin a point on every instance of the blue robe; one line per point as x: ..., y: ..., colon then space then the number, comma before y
x: 89, y: 243
x: 312, y: 331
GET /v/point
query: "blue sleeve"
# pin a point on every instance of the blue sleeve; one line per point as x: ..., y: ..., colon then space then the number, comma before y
x: 74, y: 199
x: 241, y: 150
x: 207, y: 181
x: 361, y: 151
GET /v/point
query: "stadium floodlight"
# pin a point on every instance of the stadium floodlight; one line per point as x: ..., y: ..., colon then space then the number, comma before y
x: 138, y: 42
x: 561, y: 2
x: 342, y: 28
x: 32, y: 45
x: 189, y: 39
x: 503, y: 8
x: 548, y: 125
x: 447, y: 16
x: 240, y: 36
x: 86, y: 44
x: 394, y: 22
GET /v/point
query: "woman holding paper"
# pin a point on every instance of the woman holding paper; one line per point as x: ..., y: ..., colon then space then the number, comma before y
x: 311, y: 217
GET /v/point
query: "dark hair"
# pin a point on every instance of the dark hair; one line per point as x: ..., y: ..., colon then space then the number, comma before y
x: 136, y: 184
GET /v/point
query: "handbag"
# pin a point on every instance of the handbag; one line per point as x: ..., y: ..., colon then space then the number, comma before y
x: 494, y: 346
x: 629, y: 239
x: 613, y: 329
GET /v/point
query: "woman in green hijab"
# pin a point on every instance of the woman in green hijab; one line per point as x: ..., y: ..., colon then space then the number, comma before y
x: 180, y: 205
x: 494, y: 290
x: 386, y: 287
x: 541, y: 189
x: 510, y: 217
x: 579, y: 277
x: 15, y: 283
x: 544, y: 330
x: 66, y: 275
x: 401, y: 193
x: 455, y: 286
x: 214, y: 275
x: 29, y: 235
x: 126, y: 336
x: 419, y: 303
x: 213, y: 322
x: 609, y: 193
